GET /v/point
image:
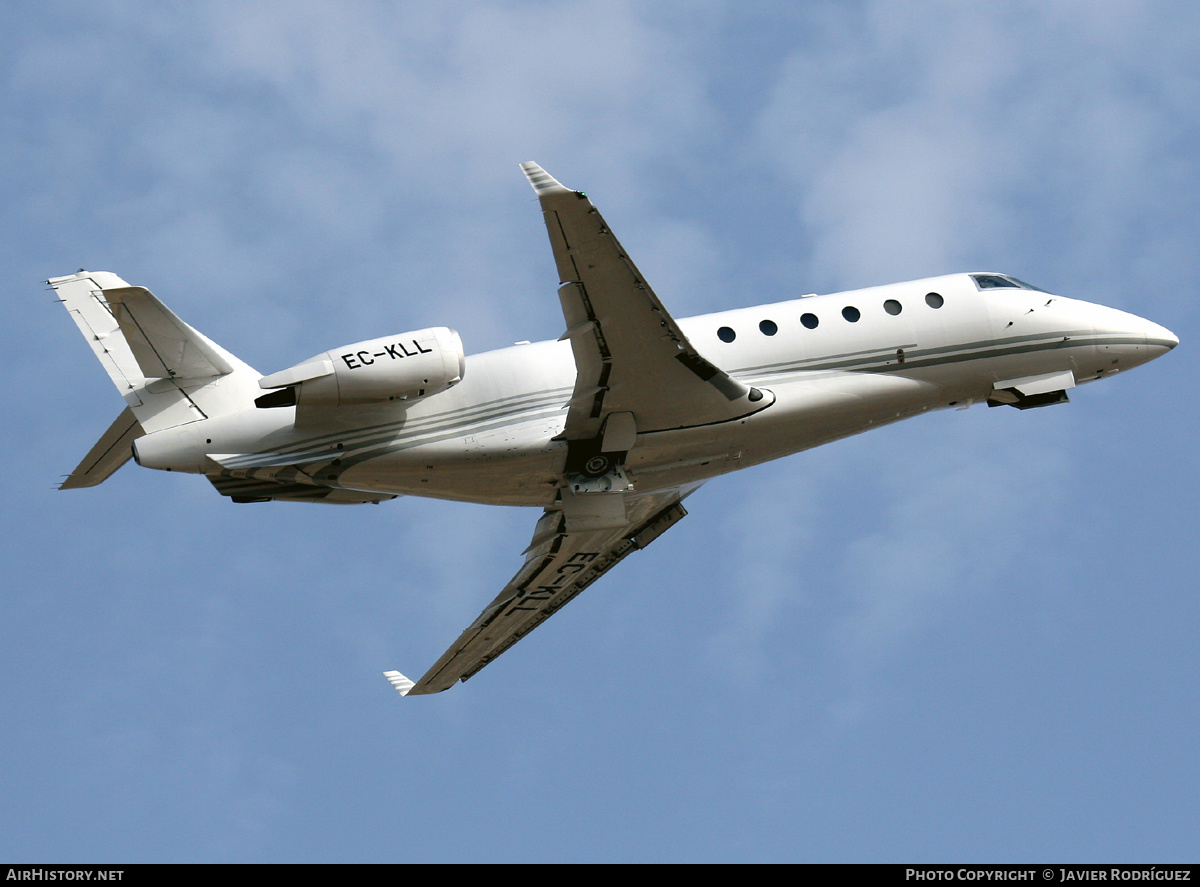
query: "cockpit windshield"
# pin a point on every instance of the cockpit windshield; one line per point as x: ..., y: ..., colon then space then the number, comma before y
x: 1002, y: 281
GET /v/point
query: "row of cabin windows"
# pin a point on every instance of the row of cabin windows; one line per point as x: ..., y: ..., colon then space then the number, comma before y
x: 811, y: 321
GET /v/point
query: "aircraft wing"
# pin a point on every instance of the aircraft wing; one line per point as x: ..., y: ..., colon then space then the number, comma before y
x: 630, y: 354
x: 564, y: 558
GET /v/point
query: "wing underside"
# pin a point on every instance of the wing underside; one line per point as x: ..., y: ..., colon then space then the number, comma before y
x: 559, y: 564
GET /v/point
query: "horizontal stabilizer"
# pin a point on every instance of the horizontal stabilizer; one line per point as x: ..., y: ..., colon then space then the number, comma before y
x: 112, y: 450
x: 162, y: 344
x: 399, y: 681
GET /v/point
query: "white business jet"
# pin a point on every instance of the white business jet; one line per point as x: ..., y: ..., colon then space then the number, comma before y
x: 607, y: 429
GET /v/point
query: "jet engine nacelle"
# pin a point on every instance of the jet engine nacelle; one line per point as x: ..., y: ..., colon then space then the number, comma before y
x: 403, y: 367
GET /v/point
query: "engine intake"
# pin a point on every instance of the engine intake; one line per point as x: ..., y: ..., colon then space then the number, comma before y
x: 403, y: 367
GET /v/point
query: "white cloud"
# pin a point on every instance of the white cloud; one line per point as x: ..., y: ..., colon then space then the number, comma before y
x: 907, y: 131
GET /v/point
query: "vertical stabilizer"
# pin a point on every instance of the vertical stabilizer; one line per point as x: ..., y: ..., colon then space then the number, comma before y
x: 81, y: 295
x: 168, y: 373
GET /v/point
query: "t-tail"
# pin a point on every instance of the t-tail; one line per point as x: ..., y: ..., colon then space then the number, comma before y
x: 168, y: 373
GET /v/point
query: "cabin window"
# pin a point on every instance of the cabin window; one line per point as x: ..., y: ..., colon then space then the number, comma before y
x: 726, y: 334
x: 768, y: 327
x: 891, y: 306
x: 934, y: 300
x: 809, y: 321
x: 851, y: 313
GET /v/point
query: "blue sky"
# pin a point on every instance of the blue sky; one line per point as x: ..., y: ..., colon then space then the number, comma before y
x: 971, y: 636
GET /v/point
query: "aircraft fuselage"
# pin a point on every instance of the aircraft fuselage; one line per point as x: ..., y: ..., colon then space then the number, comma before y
x: 836, y: 365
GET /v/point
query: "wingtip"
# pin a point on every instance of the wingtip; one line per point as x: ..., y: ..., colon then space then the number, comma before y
x: 399, y: 681
x: 542, y: 181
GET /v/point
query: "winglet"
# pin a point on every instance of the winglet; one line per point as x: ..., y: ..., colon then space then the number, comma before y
x: 399, y: 681
x: 543, y: 183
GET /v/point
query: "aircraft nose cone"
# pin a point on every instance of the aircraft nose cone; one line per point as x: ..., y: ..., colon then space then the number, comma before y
x: 1159, y: 339
x: 1154, y: 335
x: 1160, y: 336
x: 1129, y: 339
